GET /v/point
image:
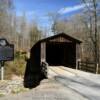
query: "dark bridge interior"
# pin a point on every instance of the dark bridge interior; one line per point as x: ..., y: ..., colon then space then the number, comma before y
x: 61, y: 54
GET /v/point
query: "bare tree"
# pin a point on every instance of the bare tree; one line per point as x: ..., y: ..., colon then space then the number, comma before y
x: 92, y: 22
x: 54, y: 17
x: 34, y: 34
x: 6, y: 10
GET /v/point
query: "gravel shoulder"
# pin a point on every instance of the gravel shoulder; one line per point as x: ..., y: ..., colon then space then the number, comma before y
x: 49, y: 89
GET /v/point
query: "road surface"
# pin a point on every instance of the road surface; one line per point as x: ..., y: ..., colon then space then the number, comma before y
x: 63, y: 84
x: 85, y: 84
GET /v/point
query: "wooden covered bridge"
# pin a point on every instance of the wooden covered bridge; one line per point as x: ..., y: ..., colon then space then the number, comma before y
x: 57, y: 50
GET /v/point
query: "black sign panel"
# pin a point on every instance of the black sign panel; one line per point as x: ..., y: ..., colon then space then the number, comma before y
x: 6, y: 51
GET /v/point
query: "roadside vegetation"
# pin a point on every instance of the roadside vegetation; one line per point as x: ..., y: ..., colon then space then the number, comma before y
x: 16, y: 67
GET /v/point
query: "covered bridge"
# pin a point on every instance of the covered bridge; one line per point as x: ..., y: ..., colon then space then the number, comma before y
x: 57, y: 50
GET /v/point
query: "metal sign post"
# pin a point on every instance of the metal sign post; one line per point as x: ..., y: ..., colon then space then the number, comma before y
x: 2, y: 69
x: 6, y: 54
x: 2, y: 73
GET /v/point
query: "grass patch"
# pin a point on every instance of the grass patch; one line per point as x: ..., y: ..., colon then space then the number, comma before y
x: 19, y: 90
x: 1, y: 95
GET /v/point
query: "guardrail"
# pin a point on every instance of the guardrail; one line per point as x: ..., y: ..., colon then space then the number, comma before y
x: 88, y: 66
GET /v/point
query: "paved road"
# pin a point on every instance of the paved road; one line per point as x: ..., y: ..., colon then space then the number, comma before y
x: 63, y: 84
x: 85, y: 84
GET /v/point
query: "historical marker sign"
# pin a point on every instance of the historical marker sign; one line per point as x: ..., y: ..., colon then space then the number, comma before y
x: 6, y: 50
x: 6, y: 54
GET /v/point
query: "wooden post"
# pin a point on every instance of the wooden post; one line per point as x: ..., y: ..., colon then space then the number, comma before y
x: 77, y: 55
x: 77, y: 63
x: 97, y: 68
x: 43, y: 52
x: 28, y: 55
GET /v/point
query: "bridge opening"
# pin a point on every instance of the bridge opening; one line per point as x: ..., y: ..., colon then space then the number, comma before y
x: 60, y: 53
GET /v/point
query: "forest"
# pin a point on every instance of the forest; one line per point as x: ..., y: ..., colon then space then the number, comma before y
x: 84, y: 26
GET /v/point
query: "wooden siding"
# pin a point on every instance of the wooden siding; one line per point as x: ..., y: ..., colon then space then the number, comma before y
x: 59, y: 39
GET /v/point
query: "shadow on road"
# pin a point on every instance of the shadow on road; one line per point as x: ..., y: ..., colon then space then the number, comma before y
x: 31, y: 79
x: 33, y: 75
